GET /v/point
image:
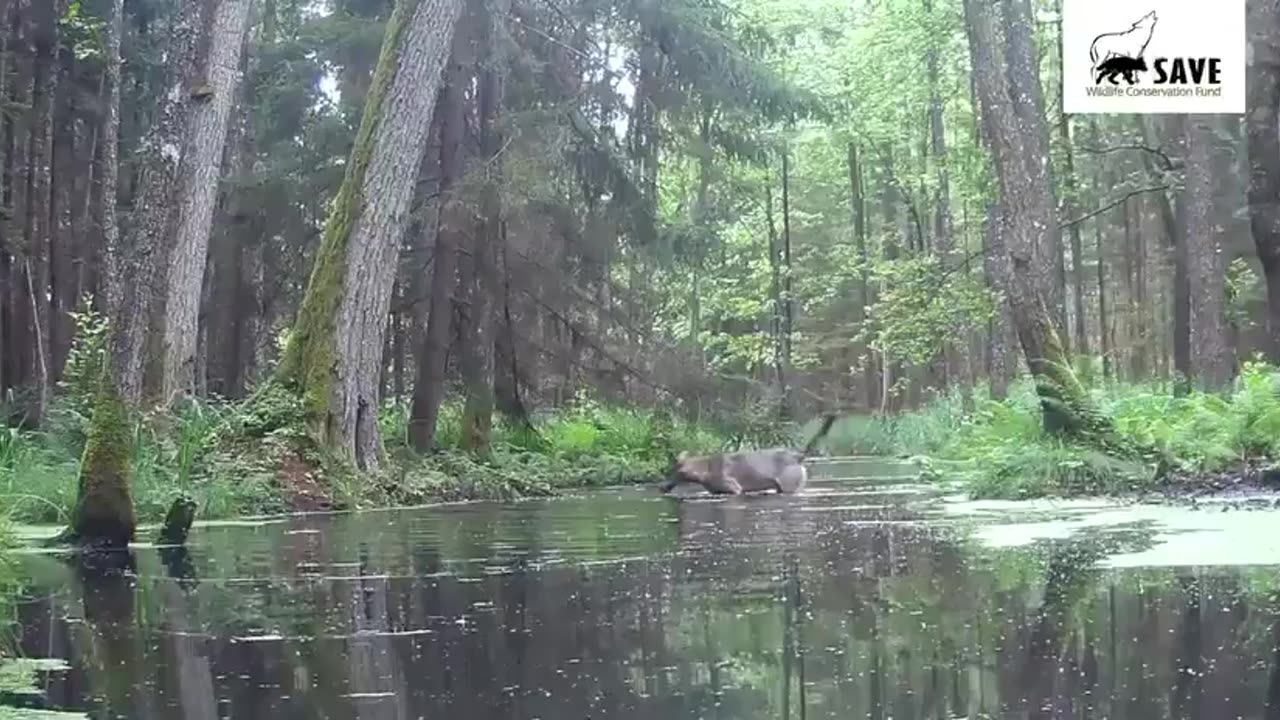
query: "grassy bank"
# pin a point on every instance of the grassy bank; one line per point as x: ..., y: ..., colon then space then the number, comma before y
x: 1000, y: 450
x: 241, y: 458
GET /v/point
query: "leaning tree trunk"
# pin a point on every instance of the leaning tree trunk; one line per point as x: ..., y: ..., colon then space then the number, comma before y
x: 1030, y: 214
x: 1211, y: 360
x: 1264, y: 154
x: 1022, y: 72
x: 104, y: 506
x: 335, y: 351
x: 200, y: 172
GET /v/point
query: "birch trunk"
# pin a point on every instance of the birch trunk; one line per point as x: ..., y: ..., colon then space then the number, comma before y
x: 200, y: 172
x: 335, y: 351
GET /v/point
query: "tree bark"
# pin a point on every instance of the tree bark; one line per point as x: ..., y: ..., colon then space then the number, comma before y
x: 788, y: 314
x: 1104, y: 317
x: 506, y: 371
x: 857, y: 194
x: 104, y: 512
x: 943, y: 227
x: 1261, y: 124
x: 1030, y: 211
x: 432, y: 362
x: 1140, y: 361
x: 335, y: 351
x: 1002, y: 363
x: 1211, y: 358
x: 1027, y: 97
x: 29, y: 308
x: 775, y: 293
x: 1174, y: 135
x: 200, y: 173
x: 1129, y: 317
x: 480, y: 288
x: 151, y: 220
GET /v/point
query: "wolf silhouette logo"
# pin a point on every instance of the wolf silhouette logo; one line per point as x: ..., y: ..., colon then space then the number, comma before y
x: 1119, y: 54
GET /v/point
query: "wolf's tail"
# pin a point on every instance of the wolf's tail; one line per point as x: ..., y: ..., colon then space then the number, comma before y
x: 827, y: 422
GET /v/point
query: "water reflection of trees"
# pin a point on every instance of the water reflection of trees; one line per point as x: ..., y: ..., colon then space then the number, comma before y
x: 776, y: 612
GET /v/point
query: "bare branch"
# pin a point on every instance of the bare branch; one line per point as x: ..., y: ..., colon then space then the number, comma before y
x: 1165, y: 160
x: 1111, y: 205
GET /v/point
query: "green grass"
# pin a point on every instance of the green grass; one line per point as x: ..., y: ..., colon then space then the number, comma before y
x: 1001, y: 450
x: 227, y: 455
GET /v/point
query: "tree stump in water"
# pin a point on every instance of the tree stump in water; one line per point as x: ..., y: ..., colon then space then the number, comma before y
x: 177, y: 522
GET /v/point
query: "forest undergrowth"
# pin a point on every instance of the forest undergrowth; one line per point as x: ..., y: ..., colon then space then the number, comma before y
x: 1196, y: 442
x: 252, y: 457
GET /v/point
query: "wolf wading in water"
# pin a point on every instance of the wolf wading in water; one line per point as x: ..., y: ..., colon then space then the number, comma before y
x: 780, y: 469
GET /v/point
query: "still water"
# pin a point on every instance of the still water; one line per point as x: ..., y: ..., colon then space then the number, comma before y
x: 865, y: 597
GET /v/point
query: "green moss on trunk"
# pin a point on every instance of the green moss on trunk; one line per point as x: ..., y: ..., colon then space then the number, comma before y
x: 308, y: 362
x: 1064, y: 401
x: 104, y: 507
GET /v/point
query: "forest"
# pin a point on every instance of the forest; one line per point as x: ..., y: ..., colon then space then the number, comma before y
x: 299, y: 254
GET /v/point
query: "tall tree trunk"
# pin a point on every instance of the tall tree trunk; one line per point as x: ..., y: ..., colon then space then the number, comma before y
x: 1211, y: 359
x: 476, y: 342
x: 1002, y: 362
x: 1140, y: 363
x: 1129, y: 317
x: 943, y: 228
x: 1028, y: 201
x: 28, y: 306
x: 68, y: 163
x: 506, y: 371
x: 1022, y: 70
x: 104, y: 506
x: 1104, y: 318
x: 857, y: 194
x: 151, y: 220
x: 335, y: 351
x: 42, y: 239
x: 1261, y: 124
x: 9, y: 342
x: 432, y: 361
x: 788, y: 314
x: 775, y: 292
x: 1069, y: 209
x: 200, y: 172
x: 1174, y: 135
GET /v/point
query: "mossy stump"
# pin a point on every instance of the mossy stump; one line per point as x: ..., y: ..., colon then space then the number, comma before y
x: 104, y: 514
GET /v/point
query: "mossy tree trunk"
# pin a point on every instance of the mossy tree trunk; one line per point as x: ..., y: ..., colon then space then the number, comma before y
x: 1029, y: 214
x: 334, y: 353
x: 103, y: 514
x: 201, y: 168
